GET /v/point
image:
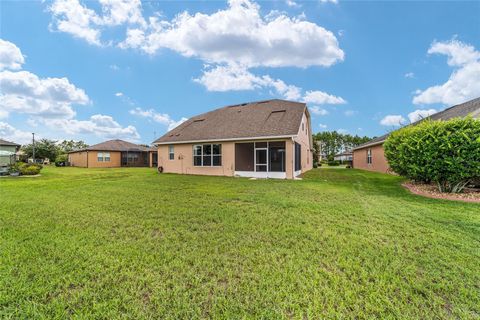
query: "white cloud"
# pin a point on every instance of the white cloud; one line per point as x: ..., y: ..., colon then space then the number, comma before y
x: 292, y: 4
x: 319, y: 97
x: 342, y: 131
x: 420, y: 114
x: 464, y: 82
x: 99, y: 125
x: 392, y: 120
x: 119, y: 94
x: 162, y: 118
x: 318, y: 111
x: 329, y: 1
x: 322, y: 126
x: 114, y: 67
x: 12, y: 134
x: 458, y: 53
x: 410, y: 75
x: 233, y: 77
x: 25, y: 92
x: 10, y: 56
x: 350, y: 113
x: 70, y: 16
x: 239, y: 34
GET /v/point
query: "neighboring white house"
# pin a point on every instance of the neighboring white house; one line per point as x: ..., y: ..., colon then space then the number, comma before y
x: 344, y: 156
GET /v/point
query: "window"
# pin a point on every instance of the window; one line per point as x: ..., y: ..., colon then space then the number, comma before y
x: 207, y: 155
x: 103, y: 156
x: 303, y: 126
x: 171, y: 153
x: 369, y: 156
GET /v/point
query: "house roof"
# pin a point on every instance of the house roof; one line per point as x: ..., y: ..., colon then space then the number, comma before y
x: 469, y: 108
x: 115, y: 145
x: 8, y: 143
x: 269, y: 118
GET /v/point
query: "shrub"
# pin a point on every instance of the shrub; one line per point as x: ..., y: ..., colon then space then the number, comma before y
x: 333, y: 163
x: 30, y: 170
x: 61, y: 160
x: 444, y: 152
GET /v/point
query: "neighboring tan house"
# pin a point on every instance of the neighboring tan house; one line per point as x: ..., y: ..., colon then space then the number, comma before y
x: 370, y: 155
x: 112, y: 154
x: 8, y: 152
x: 264, y: 139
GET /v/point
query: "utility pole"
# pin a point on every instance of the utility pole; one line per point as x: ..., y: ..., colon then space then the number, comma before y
x: 33, y: 144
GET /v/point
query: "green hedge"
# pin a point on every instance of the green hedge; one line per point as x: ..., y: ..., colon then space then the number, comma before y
x: 444, y: 152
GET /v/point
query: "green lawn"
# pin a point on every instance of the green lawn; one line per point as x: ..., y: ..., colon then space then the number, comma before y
x: 130, y: 243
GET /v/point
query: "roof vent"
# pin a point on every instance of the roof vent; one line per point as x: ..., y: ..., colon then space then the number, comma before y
x: 198, y: 120
x: 278, y: 111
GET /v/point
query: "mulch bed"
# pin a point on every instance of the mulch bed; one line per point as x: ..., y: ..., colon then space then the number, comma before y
x: 431, y: 191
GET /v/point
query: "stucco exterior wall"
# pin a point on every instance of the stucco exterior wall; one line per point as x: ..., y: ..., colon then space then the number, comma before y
x: 304, y: 138
x: 379, y: 162
x: 183, y: 162
x: 79, y: 159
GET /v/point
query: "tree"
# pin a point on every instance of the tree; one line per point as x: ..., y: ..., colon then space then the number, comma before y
x: 70, y: 145
x: 44, y: 148
x: 444, y: 152
x: 332, y: 142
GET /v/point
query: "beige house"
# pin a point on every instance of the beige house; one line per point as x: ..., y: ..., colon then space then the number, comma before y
x: 370, y: 155
x: 264, y: 139
x: 113, y: 154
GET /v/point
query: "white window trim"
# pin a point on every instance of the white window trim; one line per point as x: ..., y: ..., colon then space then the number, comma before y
x: 211, y: 155
x: 171, y: 150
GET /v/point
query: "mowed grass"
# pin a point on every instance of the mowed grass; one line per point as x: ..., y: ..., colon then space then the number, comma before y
x: 131, y: 243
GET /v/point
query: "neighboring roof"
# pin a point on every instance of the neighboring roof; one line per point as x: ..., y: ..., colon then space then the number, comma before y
x: 345, y: 153
x: 469, y: 108
x: 8, y: 143
x: 270, y: 118
x: 115, y: 145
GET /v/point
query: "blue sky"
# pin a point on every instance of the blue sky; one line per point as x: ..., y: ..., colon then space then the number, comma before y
x: 98, y: 70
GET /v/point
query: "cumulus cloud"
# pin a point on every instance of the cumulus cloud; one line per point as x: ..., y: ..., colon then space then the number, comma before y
x: 322, y: 126
x: 464, y: 82
x: 235, y: 78
x: 99, y: 125
x: 162, y: 118
x: 410, y: 75
x: 316, y: 110
x: 240, y: 34
x: 320, y: 97
x: 70, y: 16
x: 420, y: 114
x: 50, y: 101
x: 10, y: 56
x: 231, y: 41
x: 392, y: 121
x: 119, y: 94
x: 25, y: 92
x: 10, y: 133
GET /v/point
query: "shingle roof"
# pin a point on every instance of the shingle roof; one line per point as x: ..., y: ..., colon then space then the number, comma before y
x: 248, y: 120
x: 8, y: 143
x: 115, y: 145
x: 469, y: 108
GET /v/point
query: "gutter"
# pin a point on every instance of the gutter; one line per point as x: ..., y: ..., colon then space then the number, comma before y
x: 226, y: 139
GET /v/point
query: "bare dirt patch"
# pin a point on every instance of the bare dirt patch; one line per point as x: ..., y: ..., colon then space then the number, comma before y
x: 431, y: 191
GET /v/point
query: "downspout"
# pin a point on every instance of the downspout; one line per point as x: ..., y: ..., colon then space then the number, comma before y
x: 87, y: 159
